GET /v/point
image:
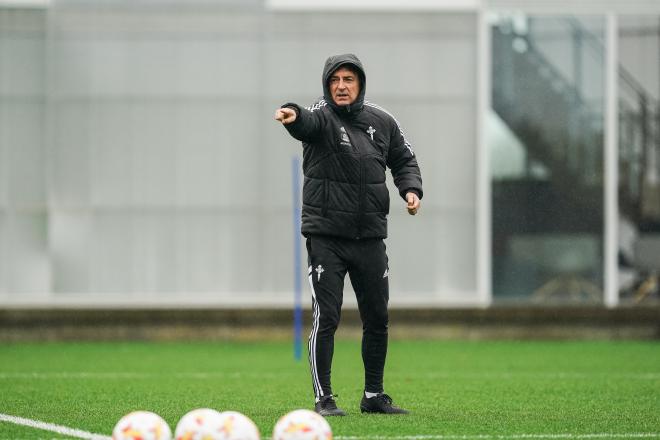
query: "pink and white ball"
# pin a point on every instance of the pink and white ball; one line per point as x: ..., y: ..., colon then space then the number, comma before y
x: 302, y: 424
x: 141, y: 425
x: 209, y: 424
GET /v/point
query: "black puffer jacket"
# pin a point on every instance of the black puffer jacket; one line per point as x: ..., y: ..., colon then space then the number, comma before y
x: 346, y: 150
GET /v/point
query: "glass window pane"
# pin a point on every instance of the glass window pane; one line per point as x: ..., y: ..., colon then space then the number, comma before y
x: 546, y: 148
x: 639, y: 159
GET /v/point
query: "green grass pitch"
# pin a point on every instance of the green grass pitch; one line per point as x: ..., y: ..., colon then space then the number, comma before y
x: 454, y: 389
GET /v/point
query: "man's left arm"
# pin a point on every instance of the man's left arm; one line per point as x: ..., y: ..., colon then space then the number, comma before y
x: 403, y: 163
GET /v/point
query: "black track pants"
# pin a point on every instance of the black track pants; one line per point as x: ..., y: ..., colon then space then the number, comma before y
x: 329, y: 259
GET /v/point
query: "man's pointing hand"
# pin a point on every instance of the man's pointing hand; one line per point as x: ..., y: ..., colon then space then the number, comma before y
x: 285, y: 115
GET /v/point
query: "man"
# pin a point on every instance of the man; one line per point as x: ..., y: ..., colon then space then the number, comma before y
x: 347, y: 144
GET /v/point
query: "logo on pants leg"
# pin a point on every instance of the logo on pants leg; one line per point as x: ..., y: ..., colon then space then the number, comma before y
x: 319, y: 270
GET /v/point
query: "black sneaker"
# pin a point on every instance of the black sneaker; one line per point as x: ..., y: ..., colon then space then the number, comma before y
x: 327, y: 407
x: 380, y: 404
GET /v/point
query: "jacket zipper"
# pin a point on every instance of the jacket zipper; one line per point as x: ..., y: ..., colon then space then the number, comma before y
x: 361, y: 187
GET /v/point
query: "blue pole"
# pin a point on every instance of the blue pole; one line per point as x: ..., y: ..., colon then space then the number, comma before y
x: 297, y: 261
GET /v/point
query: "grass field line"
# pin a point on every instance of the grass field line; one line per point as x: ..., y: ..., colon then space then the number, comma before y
x: 64, y: 430
x: 237, y: 375
x: 541, y: 375
x: 631, y: 435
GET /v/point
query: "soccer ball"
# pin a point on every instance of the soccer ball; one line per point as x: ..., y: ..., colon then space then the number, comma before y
x: 198, y: 424
x: 141, y: 425
x: 302, y: 424
x: 209, y: 424
x: 237, y: 426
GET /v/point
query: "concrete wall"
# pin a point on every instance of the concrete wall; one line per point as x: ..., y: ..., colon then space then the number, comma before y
x: 24, y: 261
x: 141, y: 165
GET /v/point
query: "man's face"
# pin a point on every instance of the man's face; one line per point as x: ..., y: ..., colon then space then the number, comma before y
x: 344, y: 86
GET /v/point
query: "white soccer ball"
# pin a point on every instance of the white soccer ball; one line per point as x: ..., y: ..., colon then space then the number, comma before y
x: 141, y: 425
x: 198, y: 424
x: 209, y: 424
x: 237, y: 426
x: 302, y: 424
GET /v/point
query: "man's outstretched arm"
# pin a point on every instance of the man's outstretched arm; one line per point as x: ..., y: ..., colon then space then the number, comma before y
x: 301, y: 123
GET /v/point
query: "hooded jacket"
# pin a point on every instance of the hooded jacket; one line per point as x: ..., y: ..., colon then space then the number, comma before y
x: 346, y: 150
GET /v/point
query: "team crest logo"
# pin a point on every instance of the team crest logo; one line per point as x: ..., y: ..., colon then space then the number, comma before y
x: 371, y: 131
x: 319, y: 270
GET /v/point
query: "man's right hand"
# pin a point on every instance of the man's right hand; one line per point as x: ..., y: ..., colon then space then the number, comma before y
x: 285, y: 115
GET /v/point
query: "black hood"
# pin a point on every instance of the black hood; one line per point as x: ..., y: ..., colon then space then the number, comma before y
x: 333, y: 63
